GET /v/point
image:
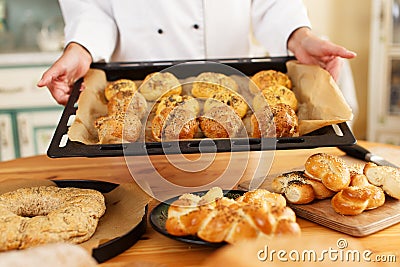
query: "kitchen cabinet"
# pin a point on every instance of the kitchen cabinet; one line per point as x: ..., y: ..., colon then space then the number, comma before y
x: 7, y: 150
x: 28, y: 114
x: 384, y: 73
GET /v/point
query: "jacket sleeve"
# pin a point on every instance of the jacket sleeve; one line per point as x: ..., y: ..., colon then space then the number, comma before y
x: 273, y: 21
x: 91, y: 24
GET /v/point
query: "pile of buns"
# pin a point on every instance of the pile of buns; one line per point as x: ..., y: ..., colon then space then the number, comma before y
x: 216, y: 218
x: 352, y: 190
x: 214, y: 107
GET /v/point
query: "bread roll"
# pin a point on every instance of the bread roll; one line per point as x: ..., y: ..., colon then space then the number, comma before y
x: 174, y: 124
x: 127, y: 102
x: 267, y: 78
x: 230, y: 98
x: 159, y: 84
x: 172, y: 101
x: 273, y: 95
x: 220, y: 122
x: 299, y: 192
x: 351, y: 200
x: 208, y: 83
x: 276, y: 121
x: 114, y: 87
x: 331, y: 170
x: 386, y: 177
x: 117, y: 128
x: 298, y: 188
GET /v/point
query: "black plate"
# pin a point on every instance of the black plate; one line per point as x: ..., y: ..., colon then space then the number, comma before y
x: 158, y: 217
x: 116, y: 246
x: 61, y: 146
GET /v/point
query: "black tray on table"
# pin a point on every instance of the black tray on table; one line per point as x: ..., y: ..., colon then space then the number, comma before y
x: 61, y: 146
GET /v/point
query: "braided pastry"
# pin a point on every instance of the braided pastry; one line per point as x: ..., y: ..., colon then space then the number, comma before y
x: 300, y: 189
x: 256, y: 213
x: 386, y: 177
x: 359, y: 196
x: 331, y: 170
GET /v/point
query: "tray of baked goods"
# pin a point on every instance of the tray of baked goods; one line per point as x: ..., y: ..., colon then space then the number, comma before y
x: 170, y: 107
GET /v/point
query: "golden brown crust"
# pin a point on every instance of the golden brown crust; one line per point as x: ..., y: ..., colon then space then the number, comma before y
x: 174, y: 124
x: 276, y: 121
x: 158, y: 84
x: 208, y: 83
x: 117, y: 129
x: 220, y: 122
x: 229, y: 98
x: 298, y: 188
x: 266, y: 78
x: 351, y: 200
x: 172, y: 101
x: 114, y: 87
x: 331, y: 170
x: 257, y: 213
x: 48, y: 214
x: 274, y: 95
x: 127, y: 102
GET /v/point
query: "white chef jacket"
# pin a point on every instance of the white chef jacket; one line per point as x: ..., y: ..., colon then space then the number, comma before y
x: 140, y: 30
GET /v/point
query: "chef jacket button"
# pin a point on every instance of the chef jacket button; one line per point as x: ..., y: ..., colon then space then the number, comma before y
x: 196, y: 26
x: 160, y: 31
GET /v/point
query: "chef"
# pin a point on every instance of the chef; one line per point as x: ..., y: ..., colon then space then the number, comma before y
x: 143, y: 30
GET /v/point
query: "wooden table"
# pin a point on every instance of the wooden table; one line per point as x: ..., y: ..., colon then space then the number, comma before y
x: 156, y: 248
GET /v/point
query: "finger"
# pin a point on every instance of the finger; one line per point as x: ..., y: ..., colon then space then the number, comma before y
x: 339, y: 51
x: 60, y: 96
x: 45, y: 80
x: 333, y: 67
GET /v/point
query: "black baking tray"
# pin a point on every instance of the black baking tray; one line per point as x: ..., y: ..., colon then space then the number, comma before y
x: 116, y: 246
x: 61, y: 146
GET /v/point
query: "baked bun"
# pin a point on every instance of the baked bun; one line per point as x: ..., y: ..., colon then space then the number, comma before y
x: 298, y: 188
x: 229, y: 220
x: 174, y: 124
x: 386, y: 177
x: 114, y: 87
x: 172, y: 101
x: 220, y: 122
x: 359, y: 196
x: 274, y: 95
x: 117, y: 128
x: 276, y: 121
x: 159, y: 84
x: 208, y: 83
x: 351, y: 200
x: 331, y: 170
x: 267, y: 78
x: 230, y: 98
x: 127, y: 102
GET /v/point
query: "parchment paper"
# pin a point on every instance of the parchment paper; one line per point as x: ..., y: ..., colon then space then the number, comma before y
x: 125, y: 207
x: 321, y: 102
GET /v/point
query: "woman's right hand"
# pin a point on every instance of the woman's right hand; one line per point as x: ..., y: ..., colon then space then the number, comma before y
x: 61, y: 76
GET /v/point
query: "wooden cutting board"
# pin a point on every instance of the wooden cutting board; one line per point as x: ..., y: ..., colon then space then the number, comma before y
x: 366, y: 223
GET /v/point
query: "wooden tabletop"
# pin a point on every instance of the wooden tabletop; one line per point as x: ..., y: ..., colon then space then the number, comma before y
x: 154, y: 248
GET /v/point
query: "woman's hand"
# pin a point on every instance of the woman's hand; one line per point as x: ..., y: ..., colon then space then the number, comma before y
x: 71, y: 66
x: 310, y: 49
